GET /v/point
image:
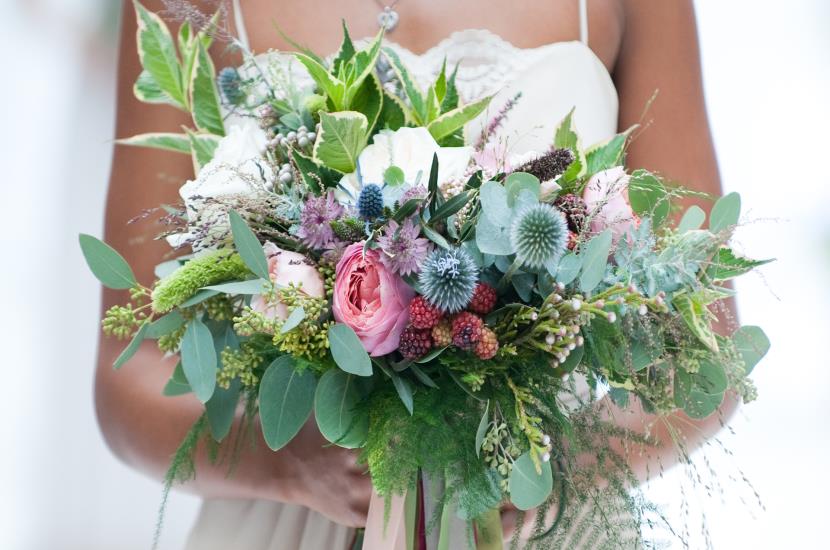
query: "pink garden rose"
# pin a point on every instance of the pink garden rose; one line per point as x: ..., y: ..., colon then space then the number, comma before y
x: 371, y: 299
x: 606, y: 197
x: 287, y: 267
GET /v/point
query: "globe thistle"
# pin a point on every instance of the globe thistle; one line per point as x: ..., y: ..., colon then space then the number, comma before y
x: 403, y: 250
x: 539, y: 234
x: 448, y: 279
x: 370, y: 201
x: 315, y: 221
x: 230, y: 84
x: 549, y: 166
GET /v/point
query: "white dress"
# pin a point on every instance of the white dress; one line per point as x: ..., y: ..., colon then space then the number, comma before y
x: 553, y: 79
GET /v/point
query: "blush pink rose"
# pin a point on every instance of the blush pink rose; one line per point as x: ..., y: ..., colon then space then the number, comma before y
x: 606, y: 197
x: 287, y: 267
x: 372, y: 300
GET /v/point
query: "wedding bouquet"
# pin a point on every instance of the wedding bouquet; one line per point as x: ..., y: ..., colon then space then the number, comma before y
x: 453, y: 313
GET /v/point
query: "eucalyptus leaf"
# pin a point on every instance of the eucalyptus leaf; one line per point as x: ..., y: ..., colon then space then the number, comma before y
x: 221, y: 409
x: 493, y: 196
x: 393, y: 176
x: 199, y: 359
x: 286, y: 397
x: 293, y: 320
x: 595, y: 260
x: 248, y: 246
x: 348, y: 352
x: 335, y: 401
x: 529, y: 488
x: 132, y: 347
x: 692, y: 219
x: 252, y: 286
x: 568, y: 268
x: 517, y: 183
x: 404, y: 389
x: 198, y: 298
x: 752, y: 344
x: 106, y: 264
x: 177, y: 384
x: 164, y: 325
x: 725, y: 213
x: 422, y: 377
x: 492, y: 238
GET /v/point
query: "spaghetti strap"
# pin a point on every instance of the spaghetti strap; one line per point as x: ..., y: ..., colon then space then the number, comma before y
x: 583, y: 21
x: 239, y: 23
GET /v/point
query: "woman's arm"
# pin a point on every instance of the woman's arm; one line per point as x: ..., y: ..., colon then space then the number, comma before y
x: 660, y: 53
x: 142, y: 426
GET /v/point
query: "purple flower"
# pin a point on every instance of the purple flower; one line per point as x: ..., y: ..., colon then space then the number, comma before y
x: 315, y: 221
x: 403, y: 250
x: 414, y: 192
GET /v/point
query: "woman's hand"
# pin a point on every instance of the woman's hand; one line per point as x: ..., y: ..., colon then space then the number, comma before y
x: 324, y: 477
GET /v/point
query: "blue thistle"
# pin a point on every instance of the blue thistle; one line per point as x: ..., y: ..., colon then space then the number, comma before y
x: 230, y: 84
x: 370, y: 201
x: 448, y: 279
x: 539, y: 235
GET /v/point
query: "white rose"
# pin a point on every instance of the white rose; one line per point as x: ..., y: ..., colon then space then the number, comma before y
x: 411, y: 150
x: 236, y: 170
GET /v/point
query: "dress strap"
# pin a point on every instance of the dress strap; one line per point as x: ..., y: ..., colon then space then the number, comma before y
x: 239, y: 23
x: 583, y: 21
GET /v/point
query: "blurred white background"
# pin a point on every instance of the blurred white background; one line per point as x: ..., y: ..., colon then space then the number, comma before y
x: 767, y: 73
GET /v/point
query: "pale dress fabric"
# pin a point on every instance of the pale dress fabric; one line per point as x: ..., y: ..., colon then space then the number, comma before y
x: 553, y: 79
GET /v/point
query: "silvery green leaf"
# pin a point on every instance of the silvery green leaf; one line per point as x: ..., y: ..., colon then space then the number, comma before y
x: 294, y: 319
x: 568, y: 268
x: 248, y: 246
x: 483, y: 424
x: 752, y: 344
x: 253, y: 286
x: 491, y: 238
x: 132, y: 347
x: 494, y: 204
x: 595, y: 260
x: 348, y: 352
x: 335, y: 400
x: 692, y: 219
x: 529, y: 488
x: 106, y: 264
x: 725, y: 213
x: 199, y: 359
x: 518, y: 182
x: 286, y: 397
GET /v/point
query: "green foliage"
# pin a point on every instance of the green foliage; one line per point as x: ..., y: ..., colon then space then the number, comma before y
x: 530, y: 482
x: 199, y: 359
x: 342, y: 137
x: 204, y: 95
x: 157, y: 53
x: 648, y: 197
x: 725, y: 213
x: 106, y: 264
x: 131, y: 348
x: 726, y: 265
x: 159, y: 140
x: 608, y: 154
x: 348, y: 352
x: 335, y: 409
x: 752, y: 344
x: 594, y: 261
x: 248, y: 246
x: 212, y: 268
x: 286, y: 397
x: 567, y: 138
x: 692, y: 219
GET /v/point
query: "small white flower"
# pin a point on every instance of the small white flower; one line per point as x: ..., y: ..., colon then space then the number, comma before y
x: 576, y: 304
x: 546, y: 439
x: 546, y: 457
x: 612, y: 317
x: 642, y: 309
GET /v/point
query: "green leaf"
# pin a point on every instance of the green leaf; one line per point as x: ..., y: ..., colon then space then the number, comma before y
x: 693, y: 219
x: 517, y: 182
x: 253, y: 286
x: 404, y: 390
x: 294, y: 319
x: 132, y: 347
x: 493, y: 196
x: 346, y: 51
x: 221, y: 409
x: 248, y: 246
x: 342, y: 137
x: 694, y: 402
x: 348, y: 352
x: 315, y: 174
x: 568, y: 268
x: 529, y: 488
x: 726, y: 265
x: 147, y: 90
x: 409, y: 85
x: 286, y: 397
x: 433, y: 105
x: 608, y: 154
x: 752, y: 344
x: 697, y: 318
x: 565, y: 137
x: 421, y: 375
x: 106, y: 264
x: 434, y: 236
x: 198, y: 298
x: 335, y: 400
x: 492, y: 238
x: 725, y: 213
x: 369, y: 100
x: 158, y: 54
x: 454, y: 120
x: 572, y: 360
x: 328, y: 84
x: 177, y: 384
x: 450, y: 100
x: 362, y: 65
x: 450, y: 207
x: 440, y: 85
x: 594, y: 261
x: 483, y: 424
x: 711, y: 378
x: 407, y: 209
x: 648, y: 196
x: 202, y: 147
x: 164, y: 325
x: 199, y: 359
x: 159, y: 140
x: 204, y: 97
x: 393, y: 114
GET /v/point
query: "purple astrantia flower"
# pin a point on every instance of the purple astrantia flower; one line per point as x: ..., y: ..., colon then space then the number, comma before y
x: 315, y: 220
x: 403, y: 250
